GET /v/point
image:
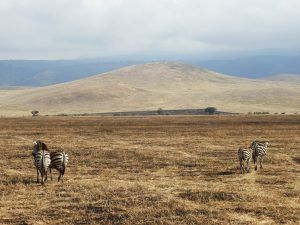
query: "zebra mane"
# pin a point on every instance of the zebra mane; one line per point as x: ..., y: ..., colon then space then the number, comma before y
x: 41, y: 145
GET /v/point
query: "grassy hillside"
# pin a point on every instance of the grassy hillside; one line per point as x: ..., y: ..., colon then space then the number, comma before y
x: 294, y: 78
x: 152, y: 86
x: 47, y: 72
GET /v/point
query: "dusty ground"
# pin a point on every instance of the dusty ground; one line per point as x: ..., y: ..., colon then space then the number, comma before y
x: 151, y: 170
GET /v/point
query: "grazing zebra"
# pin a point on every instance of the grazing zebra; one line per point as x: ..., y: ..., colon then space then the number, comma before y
x: 59, y: 161
x: 259, y: 151
x: 245, y: 155
x: 41, y: 161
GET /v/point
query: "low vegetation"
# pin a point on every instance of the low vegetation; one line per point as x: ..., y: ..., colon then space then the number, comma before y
x: 151, y: 170
x: 211, y: 110
x: 34, y: 112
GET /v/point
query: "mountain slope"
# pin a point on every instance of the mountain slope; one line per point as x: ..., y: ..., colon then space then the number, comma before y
x: 255, y: 66
x: 44, y: 72
x: 47, y: 72
x: 284, y: 77
x: 151, y: 86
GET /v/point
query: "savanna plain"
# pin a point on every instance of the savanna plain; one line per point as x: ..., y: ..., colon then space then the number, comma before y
x: 151, y: 170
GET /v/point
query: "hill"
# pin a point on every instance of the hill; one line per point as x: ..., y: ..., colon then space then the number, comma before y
x: 254, y: 66
x: 284, y: 77
x: 152, y: 86
x: 47, y: 72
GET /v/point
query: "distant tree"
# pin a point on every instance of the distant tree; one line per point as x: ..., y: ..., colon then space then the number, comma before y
x: 35, y: 113
x: 210, y: 110
x: 160, y: 111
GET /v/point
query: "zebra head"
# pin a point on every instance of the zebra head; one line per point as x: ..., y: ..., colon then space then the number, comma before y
x: 38, y: 145
x: 35, y: 148
x: 266, y: 144
x: 253, y: 145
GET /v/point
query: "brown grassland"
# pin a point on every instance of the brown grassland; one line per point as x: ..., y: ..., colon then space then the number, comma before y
x: 151, y: 170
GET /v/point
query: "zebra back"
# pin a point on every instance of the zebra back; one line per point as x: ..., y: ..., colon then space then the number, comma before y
x: 244, y: 153
x: 259, y: 148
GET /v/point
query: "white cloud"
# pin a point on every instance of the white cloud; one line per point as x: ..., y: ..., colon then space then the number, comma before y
x: 90, y: 28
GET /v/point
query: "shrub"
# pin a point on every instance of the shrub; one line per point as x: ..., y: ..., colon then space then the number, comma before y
x: 34, y: 112
x: 160, y: 111
x: 210, y: 110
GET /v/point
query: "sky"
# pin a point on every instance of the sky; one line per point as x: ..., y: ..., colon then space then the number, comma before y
x: 70, y: 29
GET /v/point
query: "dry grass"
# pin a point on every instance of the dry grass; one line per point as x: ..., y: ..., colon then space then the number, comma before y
x: 151, y: 170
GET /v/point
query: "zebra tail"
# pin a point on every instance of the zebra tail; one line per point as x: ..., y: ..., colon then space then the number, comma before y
x: 44, y: 162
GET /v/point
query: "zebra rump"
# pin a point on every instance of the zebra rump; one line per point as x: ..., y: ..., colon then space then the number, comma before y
x: 259, y: 151
x: 42, y: 162
x: 259, y: 148
x: 59, y: 161
x: 244, y: 155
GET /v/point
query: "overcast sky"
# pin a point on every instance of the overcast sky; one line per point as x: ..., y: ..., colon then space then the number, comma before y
x: 56, y: 29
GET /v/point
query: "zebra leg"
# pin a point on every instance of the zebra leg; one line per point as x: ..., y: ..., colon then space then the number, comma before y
x: 50, y: 173
x: 62, y: 174
x: 248, y: 167
x: 241, y: 166
x: 37, y: 176
x: 255, y: 163
x: 42, y: 179
x: 261, y: 161
x: 46, y: 175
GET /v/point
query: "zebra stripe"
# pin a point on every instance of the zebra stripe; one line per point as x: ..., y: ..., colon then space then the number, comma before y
x: 59, y: 161
x: 259, y: 151
x: 244, y: 155
x: 42, y: 162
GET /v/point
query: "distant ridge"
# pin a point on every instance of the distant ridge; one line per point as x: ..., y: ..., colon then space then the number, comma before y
x: 48, y: 72
x: 284, y: 77
x: 151, y: 113
x: 147, y: 87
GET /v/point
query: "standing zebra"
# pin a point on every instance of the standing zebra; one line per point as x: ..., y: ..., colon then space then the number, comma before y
x: 259, y: 151
x: 41, y: 160
x: 245, y: 155
x: 59, y: 161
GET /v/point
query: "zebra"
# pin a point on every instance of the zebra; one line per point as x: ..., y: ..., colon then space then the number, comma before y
x: 259, y: 150
x: 41, y: 161
x: 59, y: 161
x: 245, y: 155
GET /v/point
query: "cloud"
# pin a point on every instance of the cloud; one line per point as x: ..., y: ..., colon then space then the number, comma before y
x: 99, y: 28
